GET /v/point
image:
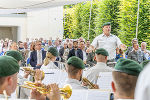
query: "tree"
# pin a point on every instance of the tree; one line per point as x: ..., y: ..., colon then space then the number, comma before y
x: 69, y: 23
x: 144, y: 22
x: 83, y: 16
x: 107, y: 11
x: 128, y: 21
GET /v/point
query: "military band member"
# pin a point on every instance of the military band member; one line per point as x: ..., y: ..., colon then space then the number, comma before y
x: 124, y: 79
x: 9, y: 69
x: 51, y: 55
x: 74, y: 69
x: 15, y: 54
x: 101, y: 66
x: 22, y: 93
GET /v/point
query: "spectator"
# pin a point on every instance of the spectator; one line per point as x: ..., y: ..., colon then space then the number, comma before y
x: 119, y: 54
x: 44, y: 43
x: 136, y: 54
x: 37, y: 56
x: 57, y: 45
x: 5, y: 47
x: 82, y: 47
x: 50, y: 43
x: 67, y: 40
x: 26, y: 50
x: 134, y: 40
x: 63, y: 52
x: 21, y: 47
x: 70, y: 45
x: 91, y: 61
x: 88, y: 43
x: 14, y: 46
x: 146, y: 52
x: 75, y: 51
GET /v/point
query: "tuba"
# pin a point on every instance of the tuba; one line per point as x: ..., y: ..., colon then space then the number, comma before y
x: 65, y: 92
x: 32, y: 72
x: 89, y: 84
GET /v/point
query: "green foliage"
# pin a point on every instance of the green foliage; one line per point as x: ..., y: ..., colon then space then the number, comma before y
x: 69, y: 23
x: 144, y: 22
x: 83, y: 16
x: 127, y: 20
x: 121, y: 13
x: 107, y: 11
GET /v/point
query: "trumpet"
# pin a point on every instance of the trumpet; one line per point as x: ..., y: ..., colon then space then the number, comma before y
x: 32, y: 72
x: 65, y: 92
x: 89, y: 84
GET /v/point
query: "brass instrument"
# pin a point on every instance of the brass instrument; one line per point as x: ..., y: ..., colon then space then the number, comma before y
x: 32, y: 72
x: 89, y: 84
x: 65, y: 92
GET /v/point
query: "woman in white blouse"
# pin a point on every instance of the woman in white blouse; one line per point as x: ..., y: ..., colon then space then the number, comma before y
x: 51, y: 55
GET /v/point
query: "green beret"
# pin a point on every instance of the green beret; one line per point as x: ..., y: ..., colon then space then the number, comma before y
x: 107, y: 23
x: 102, y: 51
x: 53, y: 51
x: 128, y: 66
x: 15, y: 54
x: 76, y: 62
x: 144, y: 63
x: 8, y: 66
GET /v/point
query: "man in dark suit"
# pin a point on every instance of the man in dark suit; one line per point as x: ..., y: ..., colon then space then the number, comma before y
x: 63, y: 52
x: 37, y: 56
x: 75, y: 51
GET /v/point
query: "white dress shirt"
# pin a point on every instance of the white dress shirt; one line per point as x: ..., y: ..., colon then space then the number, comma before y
x: 110, y: 43
x: 39, y: 57
x: 84, y: 55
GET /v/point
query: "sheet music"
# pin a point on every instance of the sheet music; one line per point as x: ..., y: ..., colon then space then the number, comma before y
x: 89, y: 95
x: 54, y: 76
x: 104, y: 80
x: 79, y: 95
x: 98, y: 95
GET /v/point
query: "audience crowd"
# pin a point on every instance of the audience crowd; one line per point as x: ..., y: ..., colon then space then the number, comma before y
x: 72, y: 55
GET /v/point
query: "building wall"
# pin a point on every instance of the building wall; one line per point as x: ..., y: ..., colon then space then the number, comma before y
x: 8, y: 32
x: 15, y: 22
x: 5, y: 32
x: 45, y: 23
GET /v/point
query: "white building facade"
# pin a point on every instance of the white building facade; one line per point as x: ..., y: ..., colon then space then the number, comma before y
x: 43, y: 23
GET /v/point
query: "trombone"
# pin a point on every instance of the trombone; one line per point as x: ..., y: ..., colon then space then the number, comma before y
x: 32, y: 72
x: 89, y: 84
x: 65, y: 92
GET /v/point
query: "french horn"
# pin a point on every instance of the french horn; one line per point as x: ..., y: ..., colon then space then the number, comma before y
x: 89, y: 84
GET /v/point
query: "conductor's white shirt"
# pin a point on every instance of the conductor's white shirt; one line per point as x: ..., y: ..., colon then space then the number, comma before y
x: 110, y: 43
